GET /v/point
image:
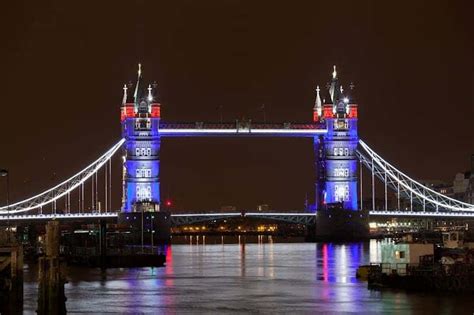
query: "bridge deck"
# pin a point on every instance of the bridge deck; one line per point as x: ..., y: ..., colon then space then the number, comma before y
x: 189, y: 218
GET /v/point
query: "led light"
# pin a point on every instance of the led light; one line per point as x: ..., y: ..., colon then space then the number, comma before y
x: 399, y: 177
x: 41, y: 199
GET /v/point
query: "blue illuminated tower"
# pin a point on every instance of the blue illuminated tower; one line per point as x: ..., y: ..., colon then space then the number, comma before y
x: 140, y: 118
x: 336, y: 150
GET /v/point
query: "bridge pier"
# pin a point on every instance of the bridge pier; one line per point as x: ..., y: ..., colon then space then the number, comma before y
x: 51, y: 297
x: 341, y: 225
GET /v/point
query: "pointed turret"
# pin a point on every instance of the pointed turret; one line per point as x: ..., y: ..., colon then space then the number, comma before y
x: 149, y: 97
x: 155, y: 107
x: 318, y: 106
x: 333, y: 85
x: 128, y: 108
x: 124, y: 99
x: 137, y: 85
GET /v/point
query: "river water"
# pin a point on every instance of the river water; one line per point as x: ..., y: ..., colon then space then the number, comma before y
x: 258, y: 275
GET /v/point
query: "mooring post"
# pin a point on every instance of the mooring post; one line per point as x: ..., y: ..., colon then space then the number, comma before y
x: 103, y: 243
x: 51, y: 298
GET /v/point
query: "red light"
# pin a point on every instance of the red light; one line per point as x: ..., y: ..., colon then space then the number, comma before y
x: 353, y: 111
x: 127, y: 111
x: 168, y: 203
x: 327, y: 111
x: 155, y: 110
x: 315, y: 116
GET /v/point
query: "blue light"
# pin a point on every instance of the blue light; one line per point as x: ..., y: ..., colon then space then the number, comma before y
x: 142, y: 165
x: 339, y: 180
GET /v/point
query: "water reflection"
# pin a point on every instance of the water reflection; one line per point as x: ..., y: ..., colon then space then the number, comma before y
x: 228, y: 274
x: 339, y: 261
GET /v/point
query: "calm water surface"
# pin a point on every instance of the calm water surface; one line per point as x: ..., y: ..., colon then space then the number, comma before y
x: 210, y: 275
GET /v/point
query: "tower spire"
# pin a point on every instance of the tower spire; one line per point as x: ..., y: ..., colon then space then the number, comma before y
x: 124, y: 100
x: 150, y: 97
x: 333, y: 85
x: 135, y: 95
x: 318, y: 103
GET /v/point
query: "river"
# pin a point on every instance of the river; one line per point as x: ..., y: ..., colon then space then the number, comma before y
x: 261, y: 275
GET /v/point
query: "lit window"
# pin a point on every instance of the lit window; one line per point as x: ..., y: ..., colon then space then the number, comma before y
x: 143, y: 172
x: 341, y: 192
x: 341, y: 151
x: 399, y: 254
x: 143, y: 192
x: 341, y: 172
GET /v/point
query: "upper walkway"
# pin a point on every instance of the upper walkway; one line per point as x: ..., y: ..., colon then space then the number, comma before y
x: 241, y: 128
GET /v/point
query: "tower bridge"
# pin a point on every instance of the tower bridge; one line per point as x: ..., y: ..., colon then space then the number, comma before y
x: 338, y: 151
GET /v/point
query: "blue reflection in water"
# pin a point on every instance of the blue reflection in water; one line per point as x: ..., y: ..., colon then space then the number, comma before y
x: 337, y: 263
x: 206, y: 275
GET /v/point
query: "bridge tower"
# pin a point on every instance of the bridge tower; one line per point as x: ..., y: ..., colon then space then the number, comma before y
x: 336, y: 150
x: 140, y: 118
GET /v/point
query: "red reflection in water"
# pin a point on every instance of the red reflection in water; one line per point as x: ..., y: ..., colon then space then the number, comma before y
x: 325, y: 263
x: 169, y: 272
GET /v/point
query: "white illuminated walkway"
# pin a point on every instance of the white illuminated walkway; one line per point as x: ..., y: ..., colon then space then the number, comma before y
x: 191, y: 218
x: 241, y: 129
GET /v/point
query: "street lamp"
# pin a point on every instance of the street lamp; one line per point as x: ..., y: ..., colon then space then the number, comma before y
x: 4, y: 173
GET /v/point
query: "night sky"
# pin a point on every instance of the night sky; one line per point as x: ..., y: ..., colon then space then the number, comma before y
x: 63, y: 66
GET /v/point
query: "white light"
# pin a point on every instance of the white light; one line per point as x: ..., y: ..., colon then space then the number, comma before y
x: 421, y: 214
x: 244, y: 131
x: 346, y: 100
x: 90, y: 170
x: 441, y: 200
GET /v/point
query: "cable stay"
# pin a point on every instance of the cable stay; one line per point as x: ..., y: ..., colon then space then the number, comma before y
x: 406, y: 187
x: 51, y: 195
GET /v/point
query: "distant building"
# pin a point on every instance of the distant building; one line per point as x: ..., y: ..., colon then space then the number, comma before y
x: 228, y: 209
x: 439, y: 186
x: 463, y: 185
x: 263, y: 208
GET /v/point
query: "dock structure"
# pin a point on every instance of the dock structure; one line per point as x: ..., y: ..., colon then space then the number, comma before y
x: 11, y: 275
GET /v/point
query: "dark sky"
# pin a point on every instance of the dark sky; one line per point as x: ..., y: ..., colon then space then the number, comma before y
x: 63, y: 65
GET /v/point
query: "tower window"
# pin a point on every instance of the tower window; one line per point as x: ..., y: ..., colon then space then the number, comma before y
x: 341, y: 172
x: 143, y: 151
x: 143, y: 172
x: 143, y: 192
x: 341, y: 192
x: 341, y: 151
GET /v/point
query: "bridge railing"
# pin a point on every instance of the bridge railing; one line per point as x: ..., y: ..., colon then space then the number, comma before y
x: 241, y: 124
